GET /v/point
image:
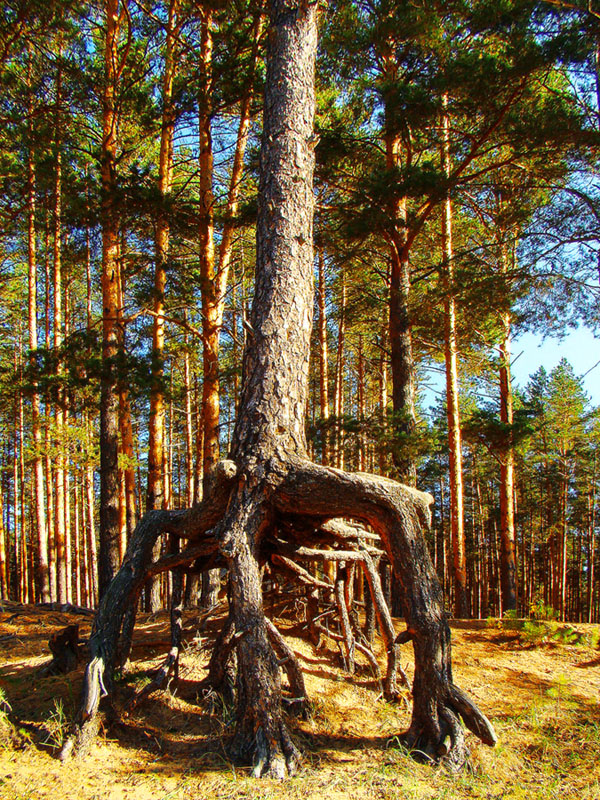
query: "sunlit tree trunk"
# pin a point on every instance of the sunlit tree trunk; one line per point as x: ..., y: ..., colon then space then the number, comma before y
x: 508, y: 564
x: 156, y: 434
x: 42, y: 571
x: 48, y: 438
x: 214, y: 276
x: 457, y: 529
x: 402, y: 362
x: 591, y: 546
x: 338, y: 390
x: 323, y: 358
x: 90, y: 517
x: 4, y: 578
x: 361, y: 407
x: 66, y: 408
x: 109, y: 396
x: 189, y: 429
x: 20, y: 495
x: 59, y: 465
x: 562, y: 555
x: 127, y: 448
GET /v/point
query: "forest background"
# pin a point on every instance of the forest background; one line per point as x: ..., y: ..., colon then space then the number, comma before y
x: 457, y: 207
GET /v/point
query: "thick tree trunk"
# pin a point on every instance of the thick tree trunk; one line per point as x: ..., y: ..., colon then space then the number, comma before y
x: 270, y: 426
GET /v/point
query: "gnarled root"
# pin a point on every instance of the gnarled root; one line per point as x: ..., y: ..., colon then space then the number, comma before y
x: 261, y: 736
x: 398, y: 514
x: 136, y: 567
x: 170, y: 666
x: 289, y: 662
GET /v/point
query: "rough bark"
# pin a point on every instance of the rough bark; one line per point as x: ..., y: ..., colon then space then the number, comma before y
x: 402, y: 362
x: 273, y: 403
x: 109, y: 397
x: 323, y: 361
x: 397, y: 514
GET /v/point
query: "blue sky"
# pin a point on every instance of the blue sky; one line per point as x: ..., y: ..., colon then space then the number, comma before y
x: 579, y: 347
x: 530, y: 352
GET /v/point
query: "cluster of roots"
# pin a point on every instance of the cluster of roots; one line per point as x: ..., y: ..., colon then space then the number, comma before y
x: 333, y: 562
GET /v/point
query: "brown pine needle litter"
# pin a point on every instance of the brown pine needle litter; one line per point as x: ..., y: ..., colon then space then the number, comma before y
x: 540, y: 688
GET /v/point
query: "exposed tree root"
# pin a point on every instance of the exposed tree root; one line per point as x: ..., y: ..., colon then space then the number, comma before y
x: 398, y: 514
x: 287, y: 659
x: 308, y: 492
x: 170, y: 666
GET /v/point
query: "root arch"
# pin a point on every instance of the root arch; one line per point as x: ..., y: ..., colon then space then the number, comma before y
x: 297, y: 517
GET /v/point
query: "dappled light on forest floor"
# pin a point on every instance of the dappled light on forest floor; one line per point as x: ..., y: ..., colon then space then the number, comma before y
x: 543, y: 700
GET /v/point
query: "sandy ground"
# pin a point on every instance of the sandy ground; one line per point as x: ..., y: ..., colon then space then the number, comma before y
x: 542, y: 697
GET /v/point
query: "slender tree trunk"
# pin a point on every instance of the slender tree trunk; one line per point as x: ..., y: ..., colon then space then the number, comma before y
x: 211, y: 286
x: 214, y: 277
x: 127, y: 446
x: 323, y: 359
x: 402, y: 362
x: 4, y: 561
x: 508, y: 565
x: 562, y: 555
x: 109, y: 395
x: 361, y: 407
x: 189, y: 430
x: 91, y: 518
x: 156, y: 433
x: 48, y: 437
x: 210, y: 299
x: 20, y: 496
x: 59, y: 468
x: 591, y: 546
x: 42, y: 571
x: 383, y: 397
x: 338, y: 391
x: 457, y: 523
x: 66, y: 475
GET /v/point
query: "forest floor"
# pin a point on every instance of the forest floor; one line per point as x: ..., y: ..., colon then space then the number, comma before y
x: 540, y: 688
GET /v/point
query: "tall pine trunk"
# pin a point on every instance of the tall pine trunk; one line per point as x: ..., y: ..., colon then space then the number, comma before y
x: 457, y: 525
x: 402, y: 362
x: 323, y: 360
x: 508, y: 563
x: 60, y: 532
x: 109, y: 395
x: 42, y: 570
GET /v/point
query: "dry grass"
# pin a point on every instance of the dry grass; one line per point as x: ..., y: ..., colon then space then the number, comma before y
x: 543, y: 700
